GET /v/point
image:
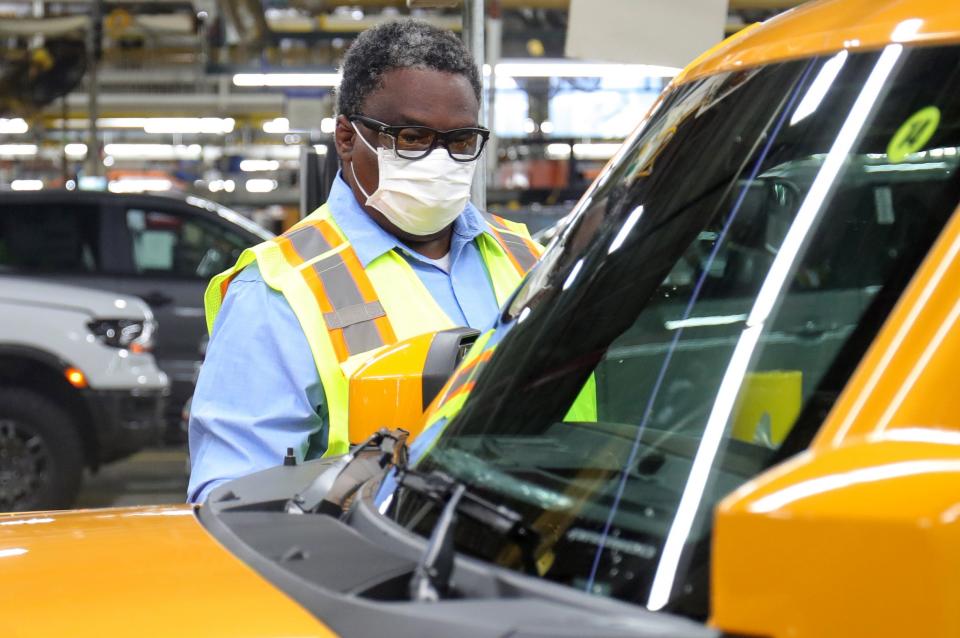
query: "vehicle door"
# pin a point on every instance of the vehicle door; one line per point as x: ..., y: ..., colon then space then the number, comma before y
x: 173, y: 254
x: 59, y: 240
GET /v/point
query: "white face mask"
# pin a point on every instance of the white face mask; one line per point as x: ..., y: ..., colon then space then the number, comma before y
x: 419, y: 196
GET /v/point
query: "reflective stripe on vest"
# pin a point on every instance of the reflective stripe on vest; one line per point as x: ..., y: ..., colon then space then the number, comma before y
x: 347, y: 312
x: 354, y: 316
x: 457, y: 390
x: 521, y: 250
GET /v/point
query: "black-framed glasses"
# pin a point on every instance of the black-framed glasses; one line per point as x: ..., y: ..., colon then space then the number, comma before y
x: 415, y: 142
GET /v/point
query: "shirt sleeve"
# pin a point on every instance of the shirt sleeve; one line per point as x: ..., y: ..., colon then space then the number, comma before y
x: 258, y: 392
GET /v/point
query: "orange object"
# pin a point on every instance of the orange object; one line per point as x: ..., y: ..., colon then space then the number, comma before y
x: 394, y: 388
x: 859, y: 535
x: 861, y: 540
x: 138, y: 348
x: 881, y: 477
x: 58, y: 566
x: 819, y: 28
x: 386, y: 391
x: 76, y: 378
x: 907, y: 377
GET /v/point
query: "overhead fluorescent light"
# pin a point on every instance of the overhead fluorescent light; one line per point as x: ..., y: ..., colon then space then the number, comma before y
x: 550, y: 68
x: 13, y: 126
x: 264, y: 151
x: 218, y: 185
x: 75, y: 150
x: 328, y: 125
x: 253, y: 165
x: 27, y: 184
x: 583, y: 150
x: 17, y: 150
x: 118, y: 122
x: 79, y: 123
x: 558, y: 151
x: 92, y: 183
x: 515, y: 69
x: 261, y: 185
x: 595, y: 151
x: 277, y: 125
x: 189, y: 125
x: 286, y: 79
x: 139, y: 185
x: 158, y: 125
x: 154, y: 151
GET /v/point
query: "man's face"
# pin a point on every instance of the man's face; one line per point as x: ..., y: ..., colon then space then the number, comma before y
x: 422, y: 97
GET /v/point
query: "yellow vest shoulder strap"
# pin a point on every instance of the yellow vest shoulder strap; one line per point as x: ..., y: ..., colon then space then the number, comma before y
x: 522, y: 251
x: 354, y: 316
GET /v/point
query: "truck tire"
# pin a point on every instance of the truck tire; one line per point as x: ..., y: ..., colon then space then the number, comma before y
x: 41, y: 454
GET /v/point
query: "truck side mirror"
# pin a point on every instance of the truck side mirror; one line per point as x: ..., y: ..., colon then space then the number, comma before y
x: 860, y: 540
x: 394, y: 388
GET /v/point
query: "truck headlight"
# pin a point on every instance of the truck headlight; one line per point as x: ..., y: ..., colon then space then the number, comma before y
x: 131, y: 334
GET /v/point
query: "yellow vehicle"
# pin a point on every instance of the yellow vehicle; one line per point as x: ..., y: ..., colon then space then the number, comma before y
x: 756, y: 301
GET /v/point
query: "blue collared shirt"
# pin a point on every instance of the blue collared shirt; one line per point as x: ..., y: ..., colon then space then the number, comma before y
x: 259, y: 391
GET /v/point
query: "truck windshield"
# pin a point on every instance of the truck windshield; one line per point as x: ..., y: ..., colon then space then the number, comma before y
x: 697, y: 318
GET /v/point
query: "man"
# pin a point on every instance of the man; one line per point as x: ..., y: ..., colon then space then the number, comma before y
x: 396, y: 251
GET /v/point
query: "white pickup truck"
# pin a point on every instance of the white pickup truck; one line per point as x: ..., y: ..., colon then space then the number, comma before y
x: 78, y: 388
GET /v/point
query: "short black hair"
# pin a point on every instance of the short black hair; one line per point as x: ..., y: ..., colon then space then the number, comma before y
x: 400, y: 44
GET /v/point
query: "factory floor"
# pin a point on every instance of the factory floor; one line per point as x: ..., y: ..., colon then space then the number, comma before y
x: 152, y: 476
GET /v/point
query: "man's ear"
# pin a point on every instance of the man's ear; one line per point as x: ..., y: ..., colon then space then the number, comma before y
x: 344, y: 137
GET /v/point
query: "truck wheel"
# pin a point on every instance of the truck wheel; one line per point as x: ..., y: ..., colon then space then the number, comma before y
x: 41, y: 454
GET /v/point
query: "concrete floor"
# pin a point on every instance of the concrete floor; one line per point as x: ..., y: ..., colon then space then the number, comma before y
x: 150, y: 477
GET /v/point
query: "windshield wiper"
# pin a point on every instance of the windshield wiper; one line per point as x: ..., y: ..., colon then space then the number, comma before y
x: 431, y: 579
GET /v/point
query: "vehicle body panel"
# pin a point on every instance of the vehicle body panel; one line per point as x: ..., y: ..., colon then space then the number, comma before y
x: 884, y: 469
x: 53, y: 318
x: 907, y: 377
x: 152, y: 571
x: 859, y: 540
x: 818, y: 28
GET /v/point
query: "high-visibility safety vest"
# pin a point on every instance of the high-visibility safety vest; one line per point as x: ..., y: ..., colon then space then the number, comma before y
x: 458, y: 388
x: 348, y: 312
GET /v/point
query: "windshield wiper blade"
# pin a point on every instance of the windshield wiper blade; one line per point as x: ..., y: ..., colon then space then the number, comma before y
x: 431, y: 579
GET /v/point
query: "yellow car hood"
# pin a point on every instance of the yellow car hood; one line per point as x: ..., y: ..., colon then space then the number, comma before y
x: 145, y: 571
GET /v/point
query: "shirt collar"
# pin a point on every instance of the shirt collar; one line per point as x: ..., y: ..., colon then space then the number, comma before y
x: 369, y: 241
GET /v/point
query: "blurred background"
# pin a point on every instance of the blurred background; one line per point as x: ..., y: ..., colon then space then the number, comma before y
x: 144, y: 144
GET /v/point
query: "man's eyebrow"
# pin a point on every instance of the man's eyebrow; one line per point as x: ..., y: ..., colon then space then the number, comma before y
x: 415, y: 121
x: 403, y: 119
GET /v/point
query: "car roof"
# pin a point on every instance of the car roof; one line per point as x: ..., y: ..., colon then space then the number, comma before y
x: 829, y: 26
x: 96, y: 197
x: 159, y: 203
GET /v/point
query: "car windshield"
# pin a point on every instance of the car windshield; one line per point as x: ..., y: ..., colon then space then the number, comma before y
x: 697, y: 318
